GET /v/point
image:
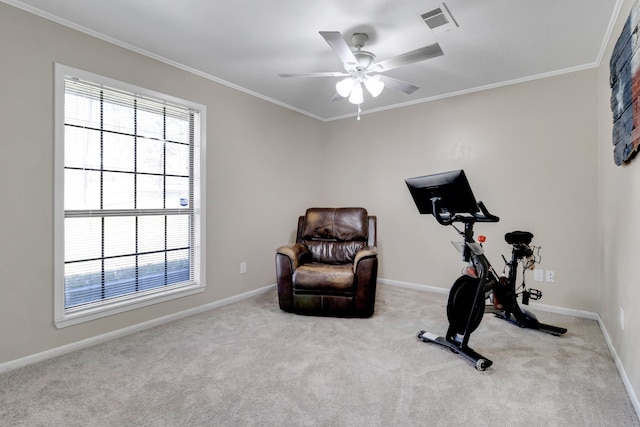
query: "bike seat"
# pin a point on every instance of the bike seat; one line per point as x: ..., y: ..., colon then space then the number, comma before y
x: 518, y: 237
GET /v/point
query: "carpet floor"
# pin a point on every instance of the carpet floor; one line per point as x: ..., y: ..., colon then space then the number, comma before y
x: 250, y: 364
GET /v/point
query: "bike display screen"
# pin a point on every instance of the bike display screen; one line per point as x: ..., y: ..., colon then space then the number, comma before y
x: 451, y: 188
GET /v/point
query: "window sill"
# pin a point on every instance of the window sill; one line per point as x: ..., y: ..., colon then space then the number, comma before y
x: 90, y: 312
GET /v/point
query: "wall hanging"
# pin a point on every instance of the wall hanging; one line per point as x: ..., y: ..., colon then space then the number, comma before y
x: 625, y: 90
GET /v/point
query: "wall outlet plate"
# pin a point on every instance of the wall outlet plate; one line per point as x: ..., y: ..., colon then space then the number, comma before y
x: 538, y: 275
x: 550, y: 276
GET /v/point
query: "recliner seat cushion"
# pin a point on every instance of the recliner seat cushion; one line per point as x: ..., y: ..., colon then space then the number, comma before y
x: 323, y: 277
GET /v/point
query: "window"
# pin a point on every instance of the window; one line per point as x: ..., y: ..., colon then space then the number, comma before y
x: 129, y: 197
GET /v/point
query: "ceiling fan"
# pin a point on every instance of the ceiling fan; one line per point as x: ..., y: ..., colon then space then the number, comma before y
x: 363, y: 68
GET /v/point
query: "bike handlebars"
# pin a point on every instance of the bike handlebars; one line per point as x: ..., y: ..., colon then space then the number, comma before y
x: 486, y: 216
x: 446, y: 218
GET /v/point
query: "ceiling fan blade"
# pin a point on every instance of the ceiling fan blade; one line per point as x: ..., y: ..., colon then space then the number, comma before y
x: 426, y: 52
x: 340, y: 47
x: 327, y: 74
x: 338, y: 97
x: 391, y: 83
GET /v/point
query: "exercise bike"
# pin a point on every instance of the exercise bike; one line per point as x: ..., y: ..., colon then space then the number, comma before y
x: 448, y: 197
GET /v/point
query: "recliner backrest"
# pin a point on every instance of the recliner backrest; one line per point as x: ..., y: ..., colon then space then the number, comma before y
x: 334, y: 235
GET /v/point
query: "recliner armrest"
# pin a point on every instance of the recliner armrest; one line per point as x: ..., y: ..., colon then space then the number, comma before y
x: 295, y: 252
x: 364, y: 253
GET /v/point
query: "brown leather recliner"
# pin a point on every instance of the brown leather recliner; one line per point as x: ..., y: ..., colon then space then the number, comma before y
x: 332, y: 268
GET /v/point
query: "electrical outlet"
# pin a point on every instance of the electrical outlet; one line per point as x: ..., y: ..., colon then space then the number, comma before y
x: 538, y: 275
x: 243, y: 267
x: 550, y: 276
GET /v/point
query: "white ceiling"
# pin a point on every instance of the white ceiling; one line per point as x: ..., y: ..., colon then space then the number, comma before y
x: 247, y: 43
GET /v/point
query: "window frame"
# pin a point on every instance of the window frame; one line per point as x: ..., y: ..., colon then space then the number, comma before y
x: 63, y: 316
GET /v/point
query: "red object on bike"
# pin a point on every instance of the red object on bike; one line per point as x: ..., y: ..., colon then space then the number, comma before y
x: 482, y: 238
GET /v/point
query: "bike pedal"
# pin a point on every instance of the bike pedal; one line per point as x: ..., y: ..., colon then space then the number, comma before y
x: 534, y: 294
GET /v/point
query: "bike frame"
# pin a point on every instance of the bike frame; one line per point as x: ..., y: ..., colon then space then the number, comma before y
x: 473, y: 253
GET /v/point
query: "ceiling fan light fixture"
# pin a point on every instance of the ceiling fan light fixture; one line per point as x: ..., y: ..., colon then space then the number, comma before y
x: 343, y: 87
x: 356, y: 96
x: 358, y: 63
x: 374, y: 85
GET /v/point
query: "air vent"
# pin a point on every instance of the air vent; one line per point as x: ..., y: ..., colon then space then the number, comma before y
x: 439, y: 19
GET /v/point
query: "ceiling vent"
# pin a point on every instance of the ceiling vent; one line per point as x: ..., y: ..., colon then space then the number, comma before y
x: 439, y: 19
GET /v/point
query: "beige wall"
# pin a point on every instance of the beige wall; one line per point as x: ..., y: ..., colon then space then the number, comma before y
x: 619, y: 212
x: 260, y: 162
x: 537, y: 153
x: 529, y: 151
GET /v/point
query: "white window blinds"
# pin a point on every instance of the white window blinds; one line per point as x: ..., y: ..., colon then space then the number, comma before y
x: 130, y: 227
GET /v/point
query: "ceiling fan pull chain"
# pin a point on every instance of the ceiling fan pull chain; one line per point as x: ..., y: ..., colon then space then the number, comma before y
x: 359, y: 109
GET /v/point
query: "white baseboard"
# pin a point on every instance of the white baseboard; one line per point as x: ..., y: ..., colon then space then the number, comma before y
x: 413, y: 286
x: 563, y: 310
x: 79, y: 345
x: 537, y: 306
x: 623, y: 373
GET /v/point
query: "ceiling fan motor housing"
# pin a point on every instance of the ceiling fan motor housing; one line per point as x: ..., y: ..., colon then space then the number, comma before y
x: 359, y: 39
x: 365, y: 59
